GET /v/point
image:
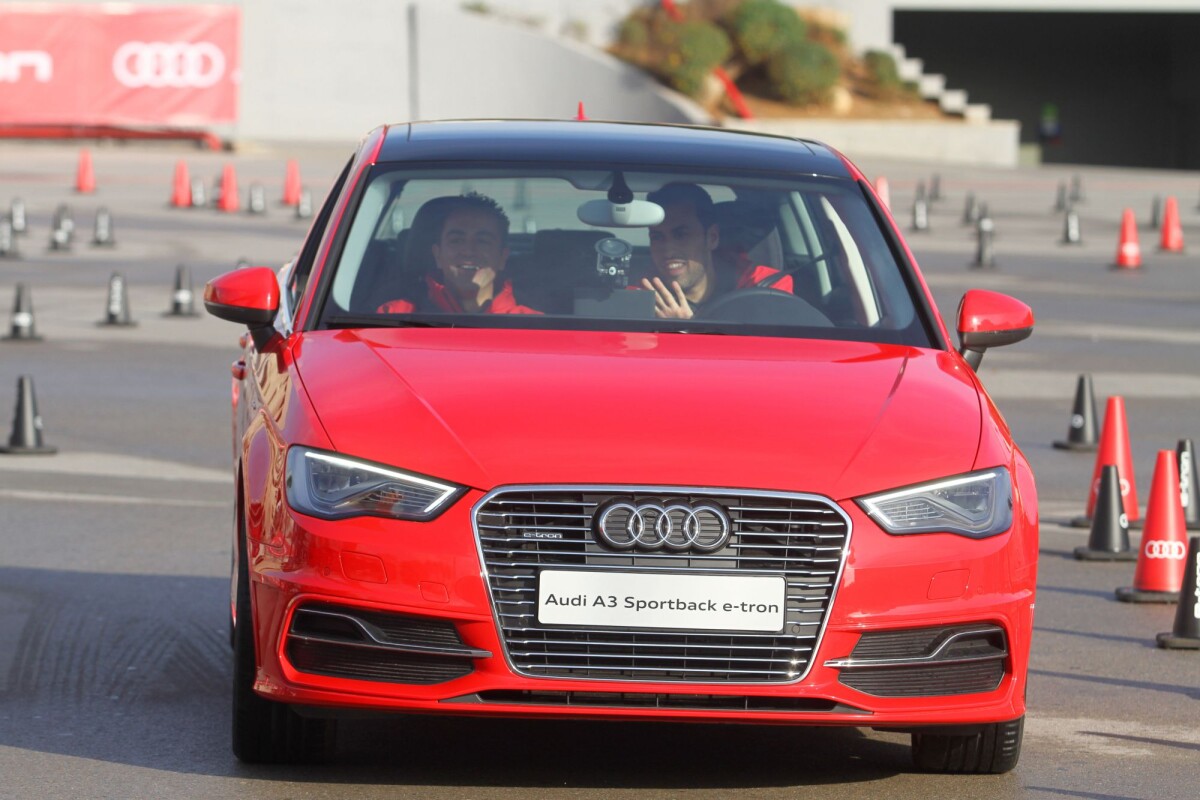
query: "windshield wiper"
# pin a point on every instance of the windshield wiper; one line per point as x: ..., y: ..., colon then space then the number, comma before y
x: 707, y: 330
x: 388, y: 321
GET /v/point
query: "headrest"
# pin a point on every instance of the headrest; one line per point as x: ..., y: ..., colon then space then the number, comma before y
x: 742, y: 224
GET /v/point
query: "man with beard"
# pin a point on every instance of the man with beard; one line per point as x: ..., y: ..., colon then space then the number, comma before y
x: 681, y: 249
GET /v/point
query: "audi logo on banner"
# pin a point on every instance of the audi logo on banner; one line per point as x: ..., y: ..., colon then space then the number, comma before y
x: 623, y: 524
x: 173, y: 65
x: 1158, y: 548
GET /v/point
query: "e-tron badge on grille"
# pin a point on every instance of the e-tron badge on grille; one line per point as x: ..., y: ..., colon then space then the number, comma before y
x: 626, y: 524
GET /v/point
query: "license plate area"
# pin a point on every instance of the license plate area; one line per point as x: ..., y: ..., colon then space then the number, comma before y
x: 660, y: 601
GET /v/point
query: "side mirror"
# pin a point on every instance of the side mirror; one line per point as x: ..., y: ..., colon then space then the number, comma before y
x: 990, y: 319
x: 249, y: 296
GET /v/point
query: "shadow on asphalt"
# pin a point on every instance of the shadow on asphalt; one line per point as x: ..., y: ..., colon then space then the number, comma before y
x: 1187, y: 691
x: 135, y: 669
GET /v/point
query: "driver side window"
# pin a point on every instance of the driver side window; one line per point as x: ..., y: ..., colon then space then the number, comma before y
x: 298, y: 278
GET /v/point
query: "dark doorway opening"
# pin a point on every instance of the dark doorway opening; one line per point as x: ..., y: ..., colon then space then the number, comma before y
x: 1119, y: 88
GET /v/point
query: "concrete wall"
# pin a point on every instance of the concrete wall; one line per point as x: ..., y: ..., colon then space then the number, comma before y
x: 310, y: 71
x: 992, y: 143
x: 471, y: 65
x: 317, y: 70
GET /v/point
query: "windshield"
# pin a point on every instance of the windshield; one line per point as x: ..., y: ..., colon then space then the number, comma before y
x: 620, y: 249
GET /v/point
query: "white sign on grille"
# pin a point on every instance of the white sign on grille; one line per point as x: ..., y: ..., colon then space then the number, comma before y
x: 641, y: 600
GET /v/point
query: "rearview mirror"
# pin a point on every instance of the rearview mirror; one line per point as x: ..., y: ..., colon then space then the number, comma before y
x: 990, y: 319
x: 632, y: 214
x: 249, y: 296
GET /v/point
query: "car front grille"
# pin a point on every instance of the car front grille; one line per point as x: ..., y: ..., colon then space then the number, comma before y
x: 522, y: 530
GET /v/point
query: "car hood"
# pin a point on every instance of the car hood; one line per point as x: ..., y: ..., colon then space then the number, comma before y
x: 490, y: 407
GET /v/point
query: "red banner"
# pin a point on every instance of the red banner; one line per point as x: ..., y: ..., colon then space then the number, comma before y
x: 119, y: 65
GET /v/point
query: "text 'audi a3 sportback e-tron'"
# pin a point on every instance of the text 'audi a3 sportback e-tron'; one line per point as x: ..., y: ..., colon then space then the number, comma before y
x: 628, y: 422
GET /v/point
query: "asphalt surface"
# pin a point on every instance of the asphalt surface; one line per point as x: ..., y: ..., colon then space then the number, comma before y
x: 114, y: 553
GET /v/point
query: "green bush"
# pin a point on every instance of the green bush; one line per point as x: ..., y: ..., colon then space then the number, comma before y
x: 762, y: 28
x: 803, y: 74
x: 633, y: 33
x: 693, y: 49
x: 881, y: 69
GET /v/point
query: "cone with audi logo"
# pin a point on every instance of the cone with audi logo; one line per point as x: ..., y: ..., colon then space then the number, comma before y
x: 1171, y: 237
x: 228, y: 201
x: 181, y: 186
x: 1081, y: 435
x: 26, y: 437
x: 23, y: 328
x: 85, y: 176
x: 1129, y: 251
x: 1109, y: 539
x: 1160, y: 565
x: 1114, y: 449
x: 1185, y: 635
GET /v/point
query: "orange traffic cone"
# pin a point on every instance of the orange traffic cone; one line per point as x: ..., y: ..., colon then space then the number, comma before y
x: 85, y: 178
x: 579, y: 115
x: 181, y: 191
x: 1171, y: 238
x: 1129, y: 252
x: 884, y: 193
x: 1160, y: 564
x: 291, y: 183
x: 228, y: 201
x: 1114, y: 449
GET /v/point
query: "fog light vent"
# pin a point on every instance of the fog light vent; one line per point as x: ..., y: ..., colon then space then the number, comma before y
x: 926, y: 662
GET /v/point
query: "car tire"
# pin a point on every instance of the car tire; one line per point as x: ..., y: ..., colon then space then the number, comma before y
x: 993, y: 749
x: 264, y: 731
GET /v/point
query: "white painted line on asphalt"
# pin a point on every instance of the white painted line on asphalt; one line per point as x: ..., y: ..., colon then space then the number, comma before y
x: 1021, y: 284
x: 1125, y: 333
x: 112, y: 465
x: 1033, y: 384
x: 110, y: 499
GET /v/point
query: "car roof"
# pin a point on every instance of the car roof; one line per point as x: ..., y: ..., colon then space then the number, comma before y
x: 585, y: 141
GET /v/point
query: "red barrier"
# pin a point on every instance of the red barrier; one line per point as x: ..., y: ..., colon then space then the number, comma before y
x: 117, y: 65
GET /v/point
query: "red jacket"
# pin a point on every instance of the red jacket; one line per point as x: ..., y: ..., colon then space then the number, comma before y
x: 444, y: 300
x: 749, y: 275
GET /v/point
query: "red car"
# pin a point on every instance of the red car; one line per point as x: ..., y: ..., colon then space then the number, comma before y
x: 620, y: 421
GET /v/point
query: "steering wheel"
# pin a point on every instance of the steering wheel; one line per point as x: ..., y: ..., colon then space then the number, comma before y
x: 765, y: 306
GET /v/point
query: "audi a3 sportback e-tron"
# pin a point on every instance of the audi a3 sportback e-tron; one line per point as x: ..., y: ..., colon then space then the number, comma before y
x: 615, y: 421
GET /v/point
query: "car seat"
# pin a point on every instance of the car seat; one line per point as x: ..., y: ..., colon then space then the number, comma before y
x: 396, y: 269
x: 747, y: 232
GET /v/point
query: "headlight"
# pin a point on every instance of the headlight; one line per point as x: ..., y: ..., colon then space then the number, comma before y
x: 331, y: 486
x: 977, y: 505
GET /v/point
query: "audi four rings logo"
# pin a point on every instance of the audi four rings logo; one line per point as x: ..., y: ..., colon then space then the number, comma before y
x: 174, y: 65
x: 676, y: 525
x: 1158, y: 548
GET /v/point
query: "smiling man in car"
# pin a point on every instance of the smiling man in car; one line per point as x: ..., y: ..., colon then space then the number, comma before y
x: 470, y: 255
x: 682, y: 250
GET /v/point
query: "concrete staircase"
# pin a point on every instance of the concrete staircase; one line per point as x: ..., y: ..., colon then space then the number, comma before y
x: 933, y: 87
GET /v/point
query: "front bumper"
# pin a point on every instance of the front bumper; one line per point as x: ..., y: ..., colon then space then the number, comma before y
x: 431, y: 573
